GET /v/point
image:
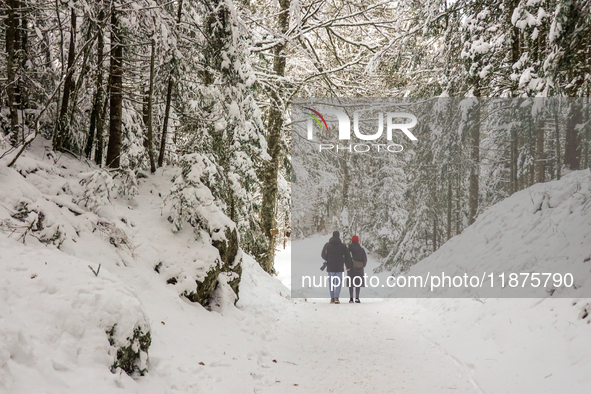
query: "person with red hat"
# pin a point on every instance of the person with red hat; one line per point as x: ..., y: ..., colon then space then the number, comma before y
x: 355, y: 268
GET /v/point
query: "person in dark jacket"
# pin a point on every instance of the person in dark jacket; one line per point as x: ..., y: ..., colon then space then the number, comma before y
x: 336, y: 255
x: 355, y: 271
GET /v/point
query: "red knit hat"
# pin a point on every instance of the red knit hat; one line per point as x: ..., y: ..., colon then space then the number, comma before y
x: 355, y: 239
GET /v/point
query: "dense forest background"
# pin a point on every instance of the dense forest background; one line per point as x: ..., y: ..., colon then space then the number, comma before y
x: 144, y: 84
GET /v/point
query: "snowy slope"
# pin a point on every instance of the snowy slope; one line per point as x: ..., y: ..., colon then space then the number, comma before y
x: 543, y: 229
x: 532, y: 345
x: 53, y: 317
x: 55, y: 312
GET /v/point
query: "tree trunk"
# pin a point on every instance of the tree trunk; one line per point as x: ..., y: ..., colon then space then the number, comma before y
x: 116, y: 99
x: 449, y: 203
x: 62, y: 140
x: 23, y: 56
x: 514, y: 155
x: 100, y: 133
x: 275, y: 126
x: 458, y: 196
x: 149, y: 136
x: 585, y: 137
x: 572, y: 148
x: 550, y: 163
x: 435, y: 232
x: 475, y: 158
x: 97, y: 116
x: 168, y: 99
x: 531, y: 168
x: 84, y: 68
x: 541, y: 163
x: 540, y: 159
x: 557, y: 137
x: 12, y: 53
x: 165, y: 123
x: 510, y: 6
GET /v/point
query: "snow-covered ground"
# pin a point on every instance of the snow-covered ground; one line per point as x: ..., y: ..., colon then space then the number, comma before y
x: 531, y: 345
x: 358, y: 348
x: 54, y: 312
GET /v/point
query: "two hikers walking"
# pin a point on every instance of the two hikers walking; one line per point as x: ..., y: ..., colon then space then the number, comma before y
x: 338, y: 257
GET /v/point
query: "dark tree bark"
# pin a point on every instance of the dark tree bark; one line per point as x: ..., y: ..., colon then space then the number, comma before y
x: 116, y: 93
x: 165, y: 123
x: 449, y: 204
x: 97, y: 116
x: 168, y: 99
x: 475, y: 158
x: 585, y: 136
x: 12, y: 52
x: 572, y: 147
x: 435, y: 233
x: 23, y: 57
x: 557, y: 138
x: 574, y: 61
x: 275, y: 126
x: 458, y: 212
x: 514, y: 185
x: 61, y: 138
x: 540, y: 155
x: 149, y: 135
x: 80, y: 81
x: 346, y: 181
x: 100, y: 133
x: 515, y: 54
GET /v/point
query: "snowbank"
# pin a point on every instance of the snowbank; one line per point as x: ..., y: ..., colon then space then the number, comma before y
x: 86, y: 259
x: 54, y: 318
x: 543, y: 229
x: 529, y: 345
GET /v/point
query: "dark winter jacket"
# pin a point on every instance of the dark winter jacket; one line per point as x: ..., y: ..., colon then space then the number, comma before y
x: 357, y: 253
x: 336, y: 254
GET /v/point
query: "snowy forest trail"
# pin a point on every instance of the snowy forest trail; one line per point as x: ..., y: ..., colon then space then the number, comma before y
x: 359, y: 348
x: 57, y: 315
x: 356, y: 348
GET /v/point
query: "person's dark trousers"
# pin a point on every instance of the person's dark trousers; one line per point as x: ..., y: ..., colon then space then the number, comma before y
x: 357, y: 290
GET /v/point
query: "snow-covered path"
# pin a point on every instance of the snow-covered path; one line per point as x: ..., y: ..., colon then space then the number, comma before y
x: 409, y: 345
x: 357, y: 348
